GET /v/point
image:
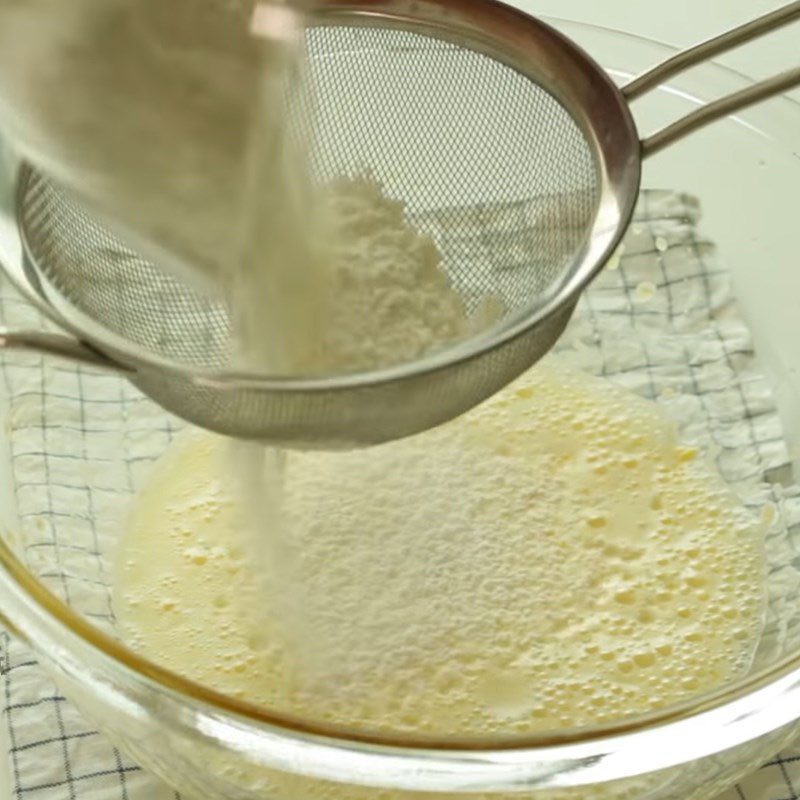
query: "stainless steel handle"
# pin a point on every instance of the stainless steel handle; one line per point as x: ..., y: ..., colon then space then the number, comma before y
x: 59, y: 345
x: 703, y: 52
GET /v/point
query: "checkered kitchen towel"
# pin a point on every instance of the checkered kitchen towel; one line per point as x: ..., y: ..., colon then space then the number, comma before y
x: 663, y: 323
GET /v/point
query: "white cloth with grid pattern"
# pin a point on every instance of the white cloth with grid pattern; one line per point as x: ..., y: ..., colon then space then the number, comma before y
x: 684, y: 345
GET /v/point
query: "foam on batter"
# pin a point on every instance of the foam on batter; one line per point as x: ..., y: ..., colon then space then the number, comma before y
x: 554, y: 558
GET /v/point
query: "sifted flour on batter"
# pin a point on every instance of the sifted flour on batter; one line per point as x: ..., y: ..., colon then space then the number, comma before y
x: 554, y: 558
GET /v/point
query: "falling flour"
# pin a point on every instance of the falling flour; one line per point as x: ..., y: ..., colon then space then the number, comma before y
x: 329, y: 279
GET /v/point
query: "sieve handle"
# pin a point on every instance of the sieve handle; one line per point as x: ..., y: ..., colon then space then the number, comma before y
x: 703, y: 52
x: 54, y: 344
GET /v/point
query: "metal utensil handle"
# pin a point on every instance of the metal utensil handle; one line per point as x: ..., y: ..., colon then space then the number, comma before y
x: 55, y: 344
x: 703, y: 52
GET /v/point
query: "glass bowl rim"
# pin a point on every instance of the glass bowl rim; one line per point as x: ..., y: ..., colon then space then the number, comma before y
x: 734, y: 703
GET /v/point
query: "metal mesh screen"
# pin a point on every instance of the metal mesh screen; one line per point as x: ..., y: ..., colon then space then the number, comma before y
x: 116, y: 287
x: 450, y: 130
x: 485, y: 159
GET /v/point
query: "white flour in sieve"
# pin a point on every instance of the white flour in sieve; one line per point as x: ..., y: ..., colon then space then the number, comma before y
x: 350, y: 287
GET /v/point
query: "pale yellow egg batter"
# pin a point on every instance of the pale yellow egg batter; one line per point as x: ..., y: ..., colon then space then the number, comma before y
x: 554, y: 558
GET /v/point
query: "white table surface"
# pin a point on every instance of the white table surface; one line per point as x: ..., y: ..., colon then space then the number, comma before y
x: 685, y: 22
x: 679, y: 22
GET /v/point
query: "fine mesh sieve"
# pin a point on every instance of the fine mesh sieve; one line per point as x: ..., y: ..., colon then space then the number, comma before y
x: 506, y: 142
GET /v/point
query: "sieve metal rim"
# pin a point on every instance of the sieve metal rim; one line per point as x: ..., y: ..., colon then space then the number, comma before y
x: 505, y: 34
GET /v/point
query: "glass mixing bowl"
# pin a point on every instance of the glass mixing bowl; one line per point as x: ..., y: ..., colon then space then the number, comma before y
x: 55, y: 556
